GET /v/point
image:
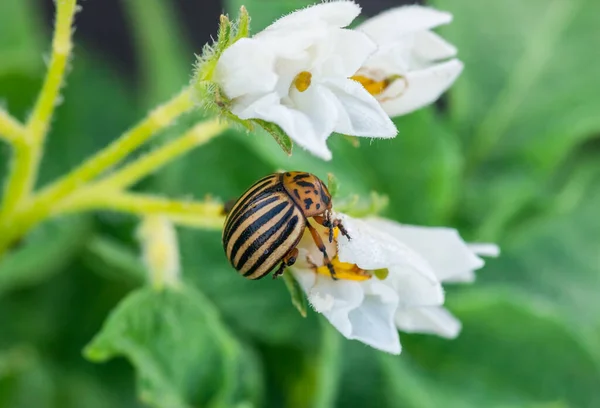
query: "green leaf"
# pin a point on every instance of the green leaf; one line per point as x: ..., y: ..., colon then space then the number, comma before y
x: 21, y: 372
x: 526, y: 71
x: 298, y: 297
x: 183, y: 354
x: 514, y: 345
x: 260, y: 309
x: 45, y: 252
x: 408, y: 385
x: 556, y: 256
x: 110, y: 259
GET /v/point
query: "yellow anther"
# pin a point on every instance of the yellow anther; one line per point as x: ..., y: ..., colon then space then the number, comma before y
x: 376, y: 87
x: 302, y: 81
x: 373, y: 87
x: 344, y: 270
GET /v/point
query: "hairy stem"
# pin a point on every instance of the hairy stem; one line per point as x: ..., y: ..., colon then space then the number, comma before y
x: 27, y: 157
x: 132, y: 173
x: 158, y: 119
x: 208, y: 213
x: 10, y: 129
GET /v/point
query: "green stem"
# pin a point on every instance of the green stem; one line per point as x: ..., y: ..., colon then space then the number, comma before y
x: 209, y: 214
x: 26, y: 161
x: 328, y: 372
x: 157, y: 120
x: 129, y: 175
x: 10, y: 129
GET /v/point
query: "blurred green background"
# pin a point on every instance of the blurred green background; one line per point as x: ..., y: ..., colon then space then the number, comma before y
x: 510, y: 155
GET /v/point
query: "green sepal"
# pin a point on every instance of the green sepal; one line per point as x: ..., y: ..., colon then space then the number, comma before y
x: 243, y: 25
x: 333, y: 184
x: 354, y: 206
x: 353, y: 140
x: 211, y: 97
x: 298, y: 298
x: 227, y: 35
x: 278, y: 134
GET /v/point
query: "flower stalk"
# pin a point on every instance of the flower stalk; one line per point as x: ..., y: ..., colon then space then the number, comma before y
x: 27, y: 155
x: 157, y: 120
x: 198, y: 135
x: 208, y: 214
x: 10, y: 129
x: 77, y: 191
x: 18, y: 215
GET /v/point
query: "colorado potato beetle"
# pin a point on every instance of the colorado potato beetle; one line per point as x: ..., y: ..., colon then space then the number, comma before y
x: 265, y: 224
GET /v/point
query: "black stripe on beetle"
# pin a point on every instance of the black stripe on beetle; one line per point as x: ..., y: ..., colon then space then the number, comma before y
x: 256, y: 224
x: 266, y: 223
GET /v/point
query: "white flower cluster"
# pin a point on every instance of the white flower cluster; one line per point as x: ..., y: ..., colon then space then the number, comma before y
x: 389, y: 278
x: 311, y: 76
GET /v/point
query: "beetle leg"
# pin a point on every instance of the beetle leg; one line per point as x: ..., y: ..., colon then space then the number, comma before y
x: 317, y: 238
x: 328, y: 223
x: 288, y: 260
x: 343, y: 230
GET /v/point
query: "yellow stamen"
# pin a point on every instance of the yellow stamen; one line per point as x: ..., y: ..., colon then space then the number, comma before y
x: 302, y: 81
x: 375, y: 87
x: 344, y: 270
x: 336, y: 232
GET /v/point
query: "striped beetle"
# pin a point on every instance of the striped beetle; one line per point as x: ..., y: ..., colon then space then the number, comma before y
x: 266, y: 223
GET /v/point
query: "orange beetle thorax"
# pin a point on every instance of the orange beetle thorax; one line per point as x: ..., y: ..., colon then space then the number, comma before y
x: 308, y: 192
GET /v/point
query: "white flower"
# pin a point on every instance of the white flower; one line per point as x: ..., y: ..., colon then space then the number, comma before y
x: 296, y: 74
x: 389, y: 278
x: 451, y: 259
x: 413, y: 66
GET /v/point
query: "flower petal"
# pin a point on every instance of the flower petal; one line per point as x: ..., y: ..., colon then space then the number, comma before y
x: 422, y: 87
x: 373, y: 322
x: 246, y: 68
x: 413, y: 288
x: 397, y: 22
x: 334, y: 299
x: 371, y: 248
x: 429, y: 47
x: 443, y: 248
x: 334, y: 14
x: 293, y: 43
x: 319, y: 104
x: 362, y: 311
x: 294, y: 123
x: 491, y: 250
x: 360, y: 113
x: 344, y: 55
x: 428, y: 320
